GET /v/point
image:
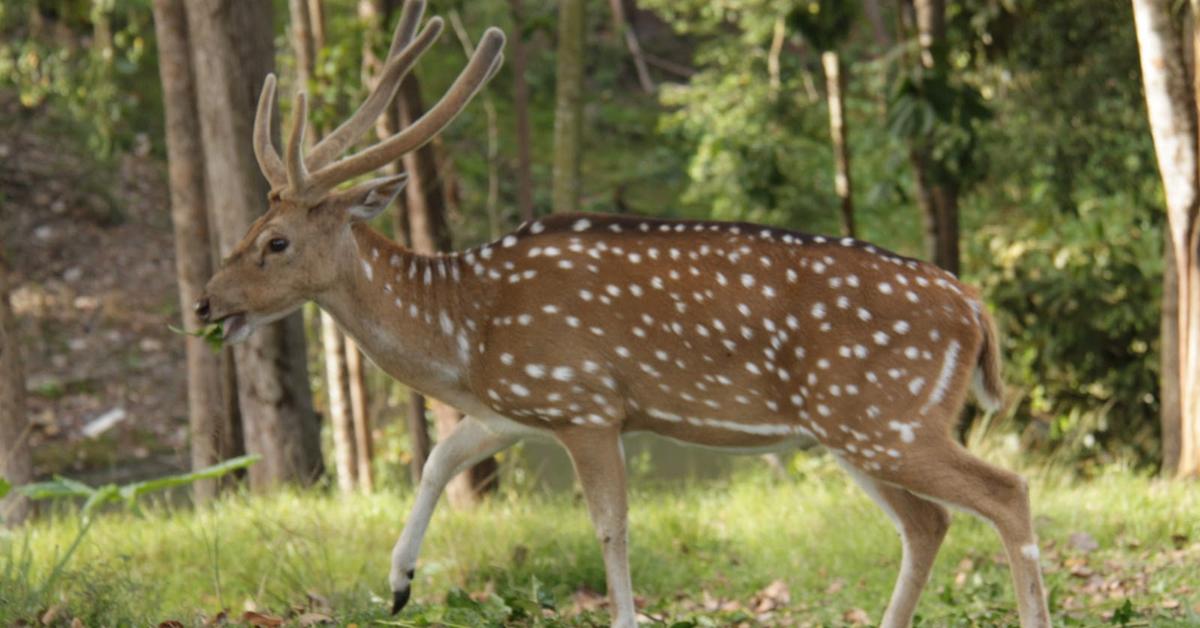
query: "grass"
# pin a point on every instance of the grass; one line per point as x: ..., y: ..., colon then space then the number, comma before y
x: 705, y: 554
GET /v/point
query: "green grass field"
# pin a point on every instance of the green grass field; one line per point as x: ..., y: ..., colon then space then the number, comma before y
x: 758, y: 550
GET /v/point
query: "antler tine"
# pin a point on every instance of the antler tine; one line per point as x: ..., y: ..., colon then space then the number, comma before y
x: 397, y: 67
x: 410, y: 17
x: 264, y: 149
x: 480, y: 68
x: 297, y: 174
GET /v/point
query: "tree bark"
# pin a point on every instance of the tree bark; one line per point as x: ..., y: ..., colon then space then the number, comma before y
x: 364, y: 449
x: 834, y: 83
x: 233, y: 49
x: 521, y: 112
x: 1169, y: 399
x: 1171, y: 105
x: 209, y: 422
x: 879, y: 29
x: 429, y: 232
x: 568, y: 109
x: 339, y: 406
x: 938, y: 198
x: 16, y: 466
x: 306, y: 23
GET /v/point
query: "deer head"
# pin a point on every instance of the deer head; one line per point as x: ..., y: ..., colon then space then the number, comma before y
x: 302, y: 245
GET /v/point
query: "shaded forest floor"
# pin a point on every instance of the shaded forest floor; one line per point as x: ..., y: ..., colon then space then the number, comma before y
x: 90, y: 246
x: 756, y: 552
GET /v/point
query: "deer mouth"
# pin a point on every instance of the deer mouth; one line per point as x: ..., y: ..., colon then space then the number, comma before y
x: 235, y: 327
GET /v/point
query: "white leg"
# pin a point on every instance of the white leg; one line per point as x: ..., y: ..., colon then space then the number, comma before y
x: 600, y: 465
x: 470, y: 442
x: 922, y: 525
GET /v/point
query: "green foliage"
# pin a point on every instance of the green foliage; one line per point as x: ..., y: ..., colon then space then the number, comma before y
x: 92, y: 59
x: 66, y: 488
x: 932, y: 109
x: 824, y: 23
x: 1077, y: 303
x: 212, y: 334
x: 524, y: 560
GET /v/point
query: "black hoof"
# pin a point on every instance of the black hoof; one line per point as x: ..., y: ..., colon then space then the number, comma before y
x: 400, y: 599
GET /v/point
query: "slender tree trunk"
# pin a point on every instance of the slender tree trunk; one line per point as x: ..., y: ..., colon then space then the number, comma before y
x: 938, y: 198
x: 376, y: 14
x: 209, y: 423
x: 364, y: 449
x: 834, y: 83
x: 1171, y: 104
x: 306, y: 22
x: 624, y: 29
x: 879, y: 28
x: 516, y: 44
x: 426, y: 201
x: 1169, y: 399
x: 774, y: 77
x: 233, y: 49
x: 568, y: 110
x: 339, y: 405
x: 16, y: 466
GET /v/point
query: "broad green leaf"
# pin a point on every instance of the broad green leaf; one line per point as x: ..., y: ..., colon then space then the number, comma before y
x: 137, y: 489
x: 57, y: 488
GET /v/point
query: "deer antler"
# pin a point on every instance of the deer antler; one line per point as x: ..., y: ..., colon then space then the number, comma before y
x: 309, y: 178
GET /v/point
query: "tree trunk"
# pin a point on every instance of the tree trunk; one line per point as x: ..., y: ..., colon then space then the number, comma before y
x: 233, y: 49
x: 519, y: 62
x: 426, y: 201
x: 364, y: 449
x: 834, y: 83
x: 16, y: 466
x: 339, y: 406
x: 568, y: 109
x: 938, y: 198
x: 1171, y: 105
x: 305, y: 18
x: 418, y: 435
x: 210, y: 425
x: 1169, y: 401
x: 874, y: 12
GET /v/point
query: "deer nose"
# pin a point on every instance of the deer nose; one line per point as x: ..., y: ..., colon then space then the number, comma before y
x: 201, y: 309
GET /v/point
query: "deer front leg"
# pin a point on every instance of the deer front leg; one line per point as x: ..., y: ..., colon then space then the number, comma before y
x: 470, y: 442
x: 600, y: 465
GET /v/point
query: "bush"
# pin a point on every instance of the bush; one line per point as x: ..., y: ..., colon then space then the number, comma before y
x: 1077, y: 302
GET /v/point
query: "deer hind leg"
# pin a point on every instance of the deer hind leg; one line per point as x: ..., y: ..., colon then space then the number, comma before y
x: 470, y: 442
x: 922, y: 525
x: 943, y: 471
x: 600, y: 466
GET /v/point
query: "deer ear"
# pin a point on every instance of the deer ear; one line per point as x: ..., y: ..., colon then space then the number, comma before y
x: 367, y: 200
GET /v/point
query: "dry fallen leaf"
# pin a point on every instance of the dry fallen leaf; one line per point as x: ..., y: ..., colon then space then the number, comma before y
x: 312, y: 619
x: 1083, y: 542
x: 837, y: 585
x: 50, y: 615
x: 171, y: 623
x: 856, y: 617
x: 261, y: 620
x: 772, y: 597
x: 585, y: 599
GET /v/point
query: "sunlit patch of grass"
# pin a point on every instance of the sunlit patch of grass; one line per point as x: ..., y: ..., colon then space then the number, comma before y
x: 522, y: 558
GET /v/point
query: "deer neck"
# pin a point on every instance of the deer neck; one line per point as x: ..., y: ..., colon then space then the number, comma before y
x: 406, y: 312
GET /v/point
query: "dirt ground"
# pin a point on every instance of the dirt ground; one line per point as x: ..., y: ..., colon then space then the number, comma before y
x: 92, y: 256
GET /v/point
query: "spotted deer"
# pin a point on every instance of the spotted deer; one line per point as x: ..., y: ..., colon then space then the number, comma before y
x: 585, y: 327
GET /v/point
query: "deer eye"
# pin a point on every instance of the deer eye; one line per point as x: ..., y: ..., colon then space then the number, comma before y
x: 277, y: 245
